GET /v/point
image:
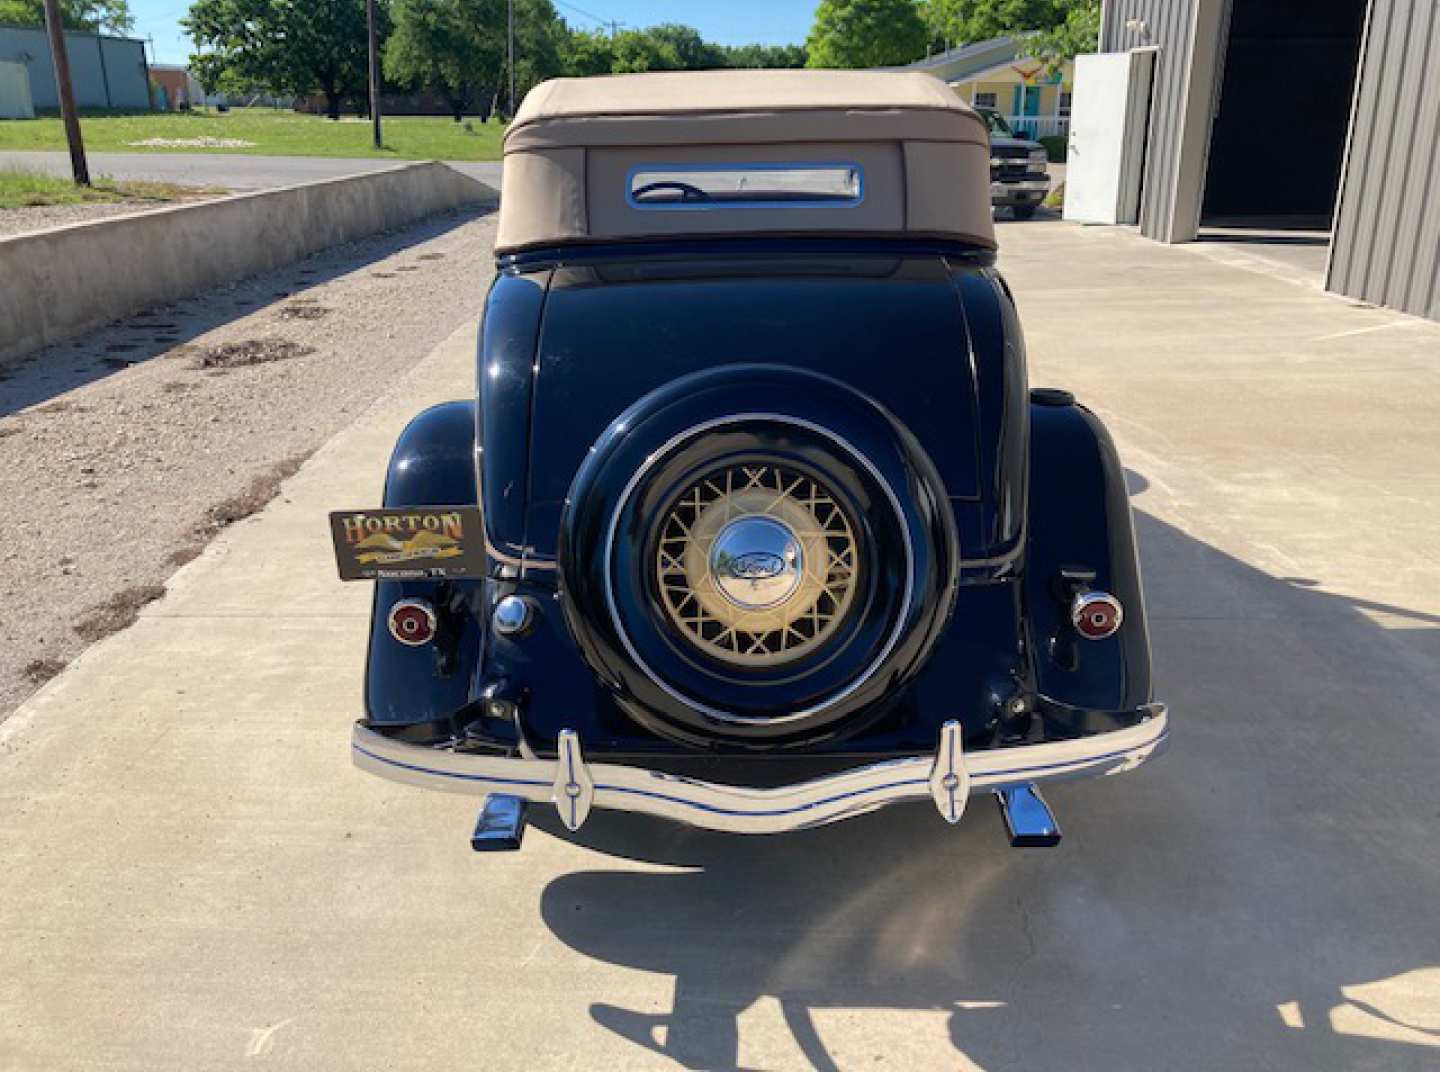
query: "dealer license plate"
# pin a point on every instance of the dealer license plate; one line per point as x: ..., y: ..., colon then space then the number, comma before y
x: 409, y: 543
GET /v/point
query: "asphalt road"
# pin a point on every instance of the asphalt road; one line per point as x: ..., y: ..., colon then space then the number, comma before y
x: 195, y: 877
x: 239, y: 172
x: 232, y: 171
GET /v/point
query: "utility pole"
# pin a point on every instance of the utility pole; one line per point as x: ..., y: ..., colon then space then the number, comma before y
x: 510, y: 53
x: 55, y: 29
x: 374, y: 72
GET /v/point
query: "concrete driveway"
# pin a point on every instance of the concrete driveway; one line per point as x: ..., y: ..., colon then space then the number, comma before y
x: 196, y: 878
x: 234, y: 171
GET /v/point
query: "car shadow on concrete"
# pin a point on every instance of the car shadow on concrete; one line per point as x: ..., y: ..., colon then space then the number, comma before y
x: 1261, y: 896
x: 161, y: 331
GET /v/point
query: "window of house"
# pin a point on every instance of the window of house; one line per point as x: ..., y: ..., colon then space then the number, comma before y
x: 1065, y: 103
x: 985, y: 100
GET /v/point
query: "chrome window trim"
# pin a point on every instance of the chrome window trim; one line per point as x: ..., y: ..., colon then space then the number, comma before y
x: 727, y: 716
x: 765, y: 165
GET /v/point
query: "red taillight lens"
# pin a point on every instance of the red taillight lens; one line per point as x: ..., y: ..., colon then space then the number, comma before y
x: 412, y: 622
x: 1096, y: 615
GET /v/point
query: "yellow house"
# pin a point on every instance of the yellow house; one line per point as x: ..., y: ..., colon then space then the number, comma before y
x: 997, y: 74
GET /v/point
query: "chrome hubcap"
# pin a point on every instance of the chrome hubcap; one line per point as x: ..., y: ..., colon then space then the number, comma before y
x: 757, y: 562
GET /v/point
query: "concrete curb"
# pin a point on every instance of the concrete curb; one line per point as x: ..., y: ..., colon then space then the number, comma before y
x: 67, y: 280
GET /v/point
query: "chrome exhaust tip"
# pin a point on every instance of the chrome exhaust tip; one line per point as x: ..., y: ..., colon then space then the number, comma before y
x: 1028, y: 818
x: 501, y: 826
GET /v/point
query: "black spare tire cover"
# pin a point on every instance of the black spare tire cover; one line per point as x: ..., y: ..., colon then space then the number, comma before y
x: 756, y: 555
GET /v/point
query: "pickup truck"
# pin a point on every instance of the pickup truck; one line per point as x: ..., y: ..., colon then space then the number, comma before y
x: 1018, y: 179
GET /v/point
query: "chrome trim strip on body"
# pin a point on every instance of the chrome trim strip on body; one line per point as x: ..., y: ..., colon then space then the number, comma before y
x: 663, y: 452
x: 745, y: 810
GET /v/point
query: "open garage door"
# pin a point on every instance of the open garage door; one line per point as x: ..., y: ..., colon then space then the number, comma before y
x: 1278, y: 137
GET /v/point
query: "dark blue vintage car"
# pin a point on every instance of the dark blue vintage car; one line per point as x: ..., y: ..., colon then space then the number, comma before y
x: 754, y: 522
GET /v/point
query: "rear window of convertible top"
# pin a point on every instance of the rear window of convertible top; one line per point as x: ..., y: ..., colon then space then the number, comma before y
x: 708, y: 186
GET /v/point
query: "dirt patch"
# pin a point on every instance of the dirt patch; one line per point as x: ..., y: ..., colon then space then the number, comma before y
x: 252, y: 500
x: 39, y: 671
x: 183, y: 555
x: 304, y: 311
x: 251, y: 352
x: 61, y: 406
x: 117, y: 612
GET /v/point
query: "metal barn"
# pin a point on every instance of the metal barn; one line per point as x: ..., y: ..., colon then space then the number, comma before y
x: 1317, y: 117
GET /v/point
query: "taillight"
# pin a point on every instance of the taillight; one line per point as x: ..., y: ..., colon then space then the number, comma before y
x: 413, y: 622
x: 1096, y: 615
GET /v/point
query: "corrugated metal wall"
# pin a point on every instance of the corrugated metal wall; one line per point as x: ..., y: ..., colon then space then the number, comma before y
x: 15, y: 92
x: 1169, y: 24
x: 1188, y: 36
x: 1386, y: 247
x: 107, y: 72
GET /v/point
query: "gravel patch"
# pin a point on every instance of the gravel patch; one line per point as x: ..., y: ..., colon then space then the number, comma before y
x: 251, y: 352
x: 15, y: 221
x: 192, y: 143
x: 303, y: 311
x: 122, y: 453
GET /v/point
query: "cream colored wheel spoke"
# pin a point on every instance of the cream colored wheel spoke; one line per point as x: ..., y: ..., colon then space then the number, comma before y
x: 792, y: 595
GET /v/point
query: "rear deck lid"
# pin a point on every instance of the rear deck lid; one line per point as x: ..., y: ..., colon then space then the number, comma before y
x: 615, y: 330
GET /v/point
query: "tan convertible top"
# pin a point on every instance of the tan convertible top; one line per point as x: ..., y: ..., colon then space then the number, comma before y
x: 916, y: 157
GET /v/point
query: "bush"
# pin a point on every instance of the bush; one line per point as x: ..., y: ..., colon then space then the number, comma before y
x: 1055, y: 147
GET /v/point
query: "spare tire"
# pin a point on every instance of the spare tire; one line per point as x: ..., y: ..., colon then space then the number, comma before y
x: 758, y: 574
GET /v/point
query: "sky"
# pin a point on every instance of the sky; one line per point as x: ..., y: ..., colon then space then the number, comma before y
x: 728, y: 22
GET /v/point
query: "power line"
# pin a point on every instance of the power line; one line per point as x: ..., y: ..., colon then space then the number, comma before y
x: 613, y: 24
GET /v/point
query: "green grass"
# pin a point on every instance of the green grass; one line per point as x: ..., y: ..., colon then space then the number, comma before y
x: 26, y: 189
x: 269, y: 132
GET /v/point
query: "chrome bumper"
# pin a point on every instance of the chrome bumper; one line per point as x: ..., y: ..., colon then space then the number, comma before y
x: 1022, y: 186
x: 948, y: 778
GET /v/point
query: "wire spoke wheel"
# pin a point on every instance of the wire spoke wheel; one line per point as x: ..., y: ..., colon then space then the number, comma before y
x: 756, y: 564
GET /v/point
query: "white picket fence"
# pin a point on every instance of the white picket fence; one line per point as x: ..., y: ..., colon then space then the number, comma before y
x: 1039, y: 126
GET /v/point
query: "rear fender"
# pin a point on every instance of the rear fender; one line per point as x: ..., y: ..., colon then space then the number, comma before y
x: 433, y: 464
x: 1080, y: 519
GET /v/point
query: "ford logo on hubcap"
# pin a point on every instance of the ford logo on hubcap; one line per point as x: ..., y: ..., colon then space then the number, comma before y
x: 756, y: 566
x: 756, y: 562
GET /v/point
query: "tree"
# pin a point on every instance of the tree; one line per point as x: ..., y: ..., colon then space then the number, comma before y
x: 866, y: 33
x: 667, y: 47
x: 756, y: 56
x: 290, y: 46
x: 960, y: 22
x: 111, y: 16
x: 445, y: 46
x: 458, y: 48
x: 1080, y: 32
x: 586, y: 52
x: 539, y: 44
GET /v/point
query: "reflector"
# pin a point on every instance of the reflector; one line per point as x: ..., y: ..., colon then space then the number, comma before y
x: 412, y: 622
x: 1096, y: 615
